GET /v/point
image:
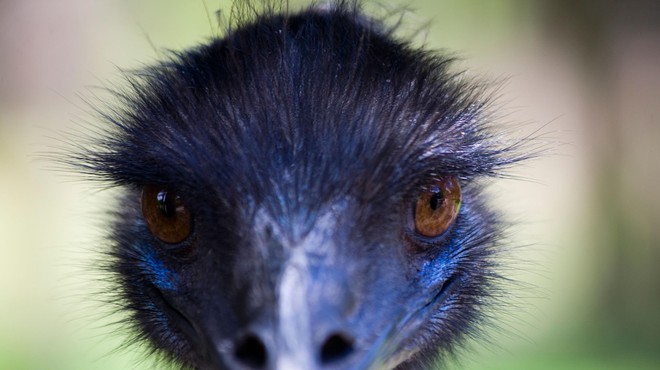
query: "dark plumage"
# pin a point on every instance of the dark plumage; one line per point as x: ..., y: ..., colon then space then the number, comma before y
x: 276, y: 183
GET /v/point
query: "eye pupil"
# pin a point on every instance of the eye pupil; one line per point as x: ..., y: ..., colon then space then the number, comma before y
x: 436, y: 198
x: 166, y: 204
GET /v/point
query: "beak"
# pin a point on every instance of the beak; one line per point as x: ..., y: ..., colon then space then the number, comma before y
x: 307, y: 329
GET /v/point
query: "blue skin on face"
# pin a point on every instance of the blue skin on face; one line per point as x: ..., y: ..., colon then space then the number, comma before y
x: 162, y: 277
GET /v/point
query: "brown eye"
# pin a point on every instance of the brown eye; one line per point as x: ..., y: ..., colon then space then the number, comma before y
x: 166, y: 215
x: 437, y: 207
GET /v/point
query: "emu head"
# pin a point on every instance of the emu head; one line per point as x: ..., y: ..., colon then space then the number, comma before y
x: 302, y: 193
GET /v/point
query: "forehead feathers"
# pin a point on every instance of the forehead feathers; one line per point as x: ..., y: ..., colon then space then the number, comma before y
x: 323, y: 102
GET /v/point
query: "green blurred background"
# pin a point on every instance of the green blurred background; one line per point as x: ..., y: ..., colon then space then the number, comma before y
x: 584, y: 73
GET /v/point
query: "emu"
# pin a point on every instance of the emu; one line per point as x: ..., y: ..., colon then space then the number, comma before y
x: 304, y: 192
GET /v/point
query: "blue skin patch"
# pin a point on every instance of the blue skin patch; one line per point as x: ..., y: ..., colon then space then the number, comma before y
x: 441, y: 268
x: 162, y: 277
x: 436, y: 270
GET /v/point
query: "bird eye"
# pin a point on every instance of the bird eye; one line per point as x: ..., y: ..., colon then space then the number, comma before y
x: 166, y: 215
x: 437, y: 207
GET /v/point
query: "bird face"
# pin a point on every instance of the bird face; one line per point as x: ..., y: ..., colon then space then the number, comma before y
x: 300, y: 194
x: 304, y: 288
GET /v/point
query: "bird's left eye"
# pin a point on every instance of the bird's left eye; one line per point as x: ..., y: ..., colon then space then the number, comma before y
x: 437, y: 207
x: 166, y: 215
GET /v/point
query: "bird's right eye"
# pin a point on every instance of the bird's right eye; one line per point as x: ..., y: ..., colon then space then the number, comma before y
x: 166, y: 215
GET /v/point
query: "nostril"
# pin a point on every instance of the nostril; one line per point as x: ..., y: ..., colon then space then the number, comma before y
x: 251, y: 351
x: 336, y: 347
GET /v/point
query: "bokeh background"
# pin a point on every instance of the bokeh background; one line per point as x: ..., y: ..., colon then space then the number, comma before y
x: 582, y: 76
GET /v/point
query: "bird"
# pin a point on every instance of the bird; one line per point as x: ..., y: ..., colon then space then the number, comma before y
x: 303, y: 192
